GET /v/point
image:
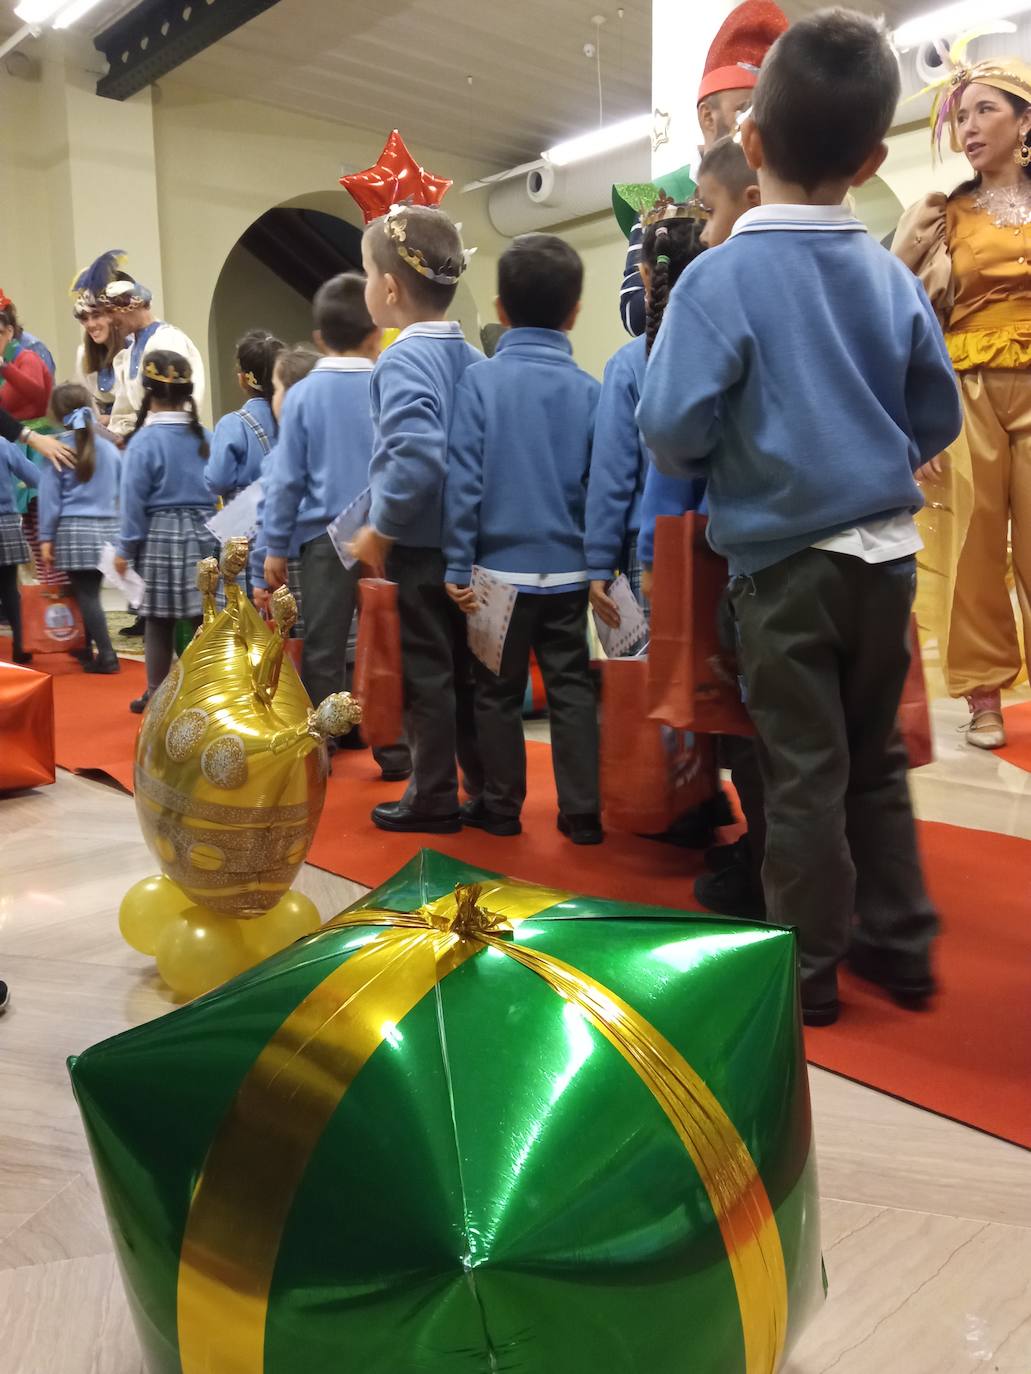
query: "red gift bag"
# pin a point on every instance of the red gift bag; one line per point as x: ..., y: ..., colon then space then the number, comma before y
x: 50, y: 624
x: 377, y: 666
x: 650, y: 773
x: 26, y: 727
x: 914, y: 712
x: 692, y: 680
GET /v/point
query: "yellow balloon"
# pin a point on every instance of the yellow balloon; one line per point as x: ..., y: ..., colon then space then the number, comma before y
x: 231, y: 762
x: 200, y: 950
x: 147, y: 908
x: 290, y: 919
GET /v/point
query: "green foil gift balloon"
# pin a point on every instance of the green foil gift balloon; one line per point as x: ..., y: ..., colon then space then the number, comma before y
x: 471, y: 1125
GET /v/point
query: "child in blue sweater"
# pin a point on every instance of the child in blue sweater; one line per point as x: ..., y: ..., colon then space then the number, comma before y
x: 78, y: 515
x: 242, y: 438
x: 317, y: 469
x: 413, y: 259
x: 514, y: 505
x: 812, y: 501
x: 165, y: 502
x: 14, y: 548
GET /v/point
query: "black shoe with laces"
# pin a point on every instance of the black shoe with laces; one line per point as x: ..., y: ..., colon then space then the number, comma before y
x: 582, y: 829
x: 398, y: 817
x: 734, y: 891
x: 476, y: 814
x: 908, y: 979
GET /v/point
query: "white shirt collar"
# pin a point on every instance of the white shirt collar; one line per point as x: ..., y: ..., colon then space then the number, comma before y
x: 344, y: 365
x: 168, y: 417
x: 432, y: 329
x: 805, y: 218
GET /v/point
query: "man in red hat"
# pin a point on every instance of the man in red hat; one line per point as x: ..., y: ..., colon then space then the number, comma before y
x: 731, y: 71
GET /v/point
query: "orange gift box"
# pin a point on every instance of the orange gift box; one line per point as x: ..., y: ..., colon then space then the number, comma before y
x: 26, y: 727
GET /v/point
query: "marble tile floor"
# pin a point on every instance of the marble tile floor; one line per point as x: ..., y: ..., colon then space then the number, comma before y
x: 927, y: 1224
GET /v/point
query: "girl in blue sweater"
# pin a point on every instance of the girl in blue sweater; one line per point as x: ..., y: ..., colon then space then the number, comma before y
x: 78, y: 516
x: 13, y: 546
x: 165, y: 502
x: 243, y: 438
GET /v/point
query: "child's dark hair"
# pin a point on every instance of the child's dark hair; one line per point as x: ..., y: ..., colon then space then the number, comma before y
x: 827, y: 94
x: 429, y: 235
x: 9, y: 320
x: 168, y: 377
x: 540, y: 281
x: 340, y: 314
x: 668, y: 248
x: 64, y: 400
x: 726, y: 162
x: 256, y: 355
x: 294, y: 364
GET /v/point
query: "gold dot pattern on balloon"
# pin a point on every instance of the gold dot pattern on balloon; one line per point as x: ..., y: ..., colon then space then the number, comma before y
x: 224, y: 762
x: 209, y: 858
x: 185, y: 733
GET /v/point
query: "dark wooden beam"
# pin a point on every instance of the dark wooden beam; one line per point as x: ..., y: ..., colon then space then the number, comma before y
x: 159, y: 35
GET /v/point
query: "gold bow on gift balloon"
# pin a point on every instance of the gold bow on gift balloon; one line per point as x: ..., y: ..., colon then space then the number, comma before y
x: 256, y: 1162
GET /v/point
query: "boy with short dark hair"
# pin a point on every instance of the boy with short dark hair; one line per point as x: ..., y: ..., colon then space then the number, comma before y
x: 319, y: 465
x: 805, y: 376
x: 514, y: 505
x: 414, y: 260
x: 727, y: 189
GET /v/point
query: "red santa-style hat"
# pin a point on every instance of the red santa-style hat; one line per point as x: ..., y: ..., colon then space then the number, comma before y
x: 737, y: 51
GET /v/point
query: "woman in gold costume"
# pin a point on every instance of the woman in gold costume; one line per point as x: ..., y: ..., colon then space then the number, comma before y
x: 972, y: 250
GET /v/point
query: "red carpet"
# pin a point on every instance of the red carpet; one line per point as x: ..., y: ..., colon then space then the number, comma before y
x: 1018, y: 734
x: 968, y: 1058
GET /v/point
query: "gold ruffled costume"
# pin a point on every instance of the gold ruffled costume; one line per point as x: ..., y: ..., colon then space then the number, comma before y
x: 976, y: 267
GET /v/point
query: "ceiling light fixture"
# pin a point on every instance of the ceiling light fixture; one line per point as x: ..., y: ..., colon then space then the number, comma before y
x: 954, y: 19
x: 73, y: 12
x: 602, y: 140
x: 38, y: 11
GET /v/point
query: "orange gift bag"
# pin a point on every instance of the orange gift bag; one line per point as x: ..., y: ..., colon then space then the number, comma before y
x: 26, y: 727
x: 914, y: 712
x: 650, y: 773
x: 692, y: 680
x: 50, y: 624
x: 377, y: 667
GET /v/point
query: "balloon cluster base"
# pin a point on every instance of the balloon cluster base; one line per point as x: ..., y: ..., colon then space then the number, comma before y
x: 197, y: 949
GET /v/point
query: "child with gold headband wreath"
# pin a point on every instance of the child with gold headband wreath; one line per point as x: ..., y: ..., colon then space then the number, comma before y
x: 972, y: 251
x: 414, y: 260
x: 165, y: 502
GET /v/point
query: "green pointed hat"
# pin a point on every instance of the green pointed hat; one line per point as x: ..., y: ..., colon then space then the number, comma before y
x: 631, y: 199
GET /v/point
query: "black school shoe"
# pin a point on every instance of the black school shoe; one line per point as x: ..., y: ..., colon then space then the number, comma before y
x: 476, y: 814
x: 582, y: 829
x: 732, y: 891
x: 909, y: 980
x: 20, y: 656
x: 400, y: 818
x: 133, y: 631
x: 102, y: 665
x: 723, y: 856
x: 138, y: 706
x: 820, y: 1013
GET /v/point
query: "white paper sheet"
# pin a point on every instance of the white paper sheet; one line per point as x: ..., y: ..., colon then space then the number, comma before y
x: 129, y: 582
x: 347, y: 524
x: 488, y: 627
x: 238, y: 520
x: 632, y: 625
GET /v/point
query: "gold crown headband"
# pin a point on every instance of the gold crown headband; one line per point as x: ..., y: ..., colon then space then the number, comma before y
x: 449, y: 272
x: 666, y: 207
x: 252, y: 381
x: 1004, y: 74
x: 170, y: 378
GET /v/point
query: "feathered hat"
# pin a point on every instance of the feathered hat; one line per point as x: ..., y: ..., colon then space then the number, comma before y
x: 105, y: 285
x: 1010, y: 74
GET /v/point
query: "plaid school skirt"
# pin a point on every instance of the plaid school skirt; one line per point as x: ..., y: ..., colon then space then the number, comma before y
x: 80, y: 538
x: 13, y: 546
x: 177, y: 540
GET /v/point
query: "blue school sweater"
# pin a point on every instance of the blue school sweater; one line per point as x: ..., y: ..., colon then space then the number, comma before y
x: 162, y: 470
x: 665, y: 496
x: 801, y: 370
x: 518, y: 462
x: 61, y: 494
x: 236, y: 451
x: 13, y: 463
x: 321, y: 459
x: 413, y: 391
x: 619, y: 462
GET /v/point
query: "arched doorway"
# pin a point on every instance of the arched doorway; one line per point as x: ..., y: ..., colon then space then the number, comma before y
x: 271, y: 274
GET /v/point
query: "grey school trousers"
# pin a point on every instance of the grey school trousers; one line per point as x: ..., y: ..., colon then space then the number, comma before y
x: 823, y: 647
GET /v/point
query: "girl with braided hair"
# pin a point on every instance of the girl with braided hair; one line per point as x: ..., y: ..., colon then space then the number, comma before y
x: 165, y: 502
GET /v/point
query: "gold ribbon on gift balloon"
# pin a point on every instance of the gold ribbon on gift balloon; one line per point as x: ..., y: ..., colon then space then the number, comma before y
x: 263, y: 1145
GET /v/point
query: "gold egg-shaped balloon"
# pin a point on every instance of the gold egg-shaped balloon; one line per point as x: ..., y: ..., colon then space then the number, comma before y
x: 231, y: 761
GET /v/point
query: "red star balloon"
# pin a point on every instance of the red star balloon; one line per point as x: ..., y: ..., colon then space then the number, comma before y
x: 396, y: 177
